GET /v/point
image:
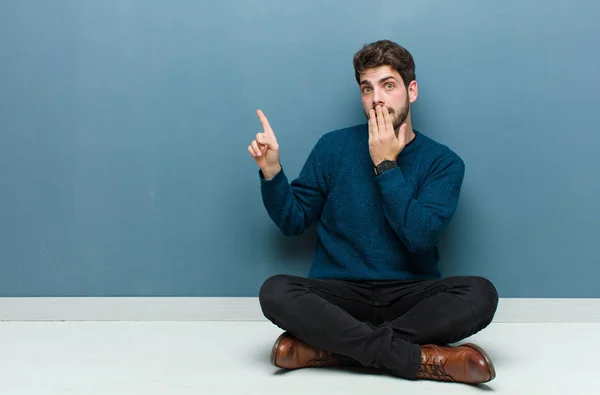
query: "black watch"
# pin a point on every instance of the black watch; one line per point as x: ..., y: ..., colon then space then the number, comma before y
x: 384, y: 166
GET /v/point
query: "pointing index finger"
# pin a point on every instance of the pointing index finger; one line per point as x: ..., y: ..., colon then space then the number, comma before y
x: 264, y: 121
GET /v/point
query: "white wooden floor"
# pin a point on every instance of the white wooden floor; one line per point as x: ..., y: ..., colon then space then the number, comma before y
x: 87, y: 358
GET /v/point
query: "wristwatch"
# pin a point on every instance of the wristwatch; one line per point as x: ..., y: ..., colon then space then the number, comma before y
x: 384, y: 166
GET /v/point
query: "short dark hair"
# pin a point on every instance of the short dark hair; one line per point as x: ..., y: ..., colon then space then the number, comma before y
x: 385, y: 53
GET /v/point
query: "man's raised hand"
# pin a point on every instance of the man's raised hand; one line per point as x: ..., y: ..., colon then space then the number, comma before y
x: 265, y: 150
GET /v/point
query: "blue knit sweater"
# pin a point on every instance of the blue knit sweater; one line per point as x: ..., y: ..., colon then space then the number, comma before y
x: 369, y: 227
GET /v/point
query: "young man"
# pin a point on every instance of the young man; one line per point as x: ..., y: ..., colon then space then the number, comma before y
x: 381, y: 195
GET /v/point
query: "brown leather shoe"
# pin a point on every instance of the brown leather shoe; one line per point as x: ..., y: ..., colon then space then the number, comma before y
x: 467, y: 363
x: 290, y: 353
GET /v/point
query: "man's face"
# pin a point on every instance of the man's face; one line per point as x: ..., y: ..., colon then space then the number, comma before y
x: 383, y: 86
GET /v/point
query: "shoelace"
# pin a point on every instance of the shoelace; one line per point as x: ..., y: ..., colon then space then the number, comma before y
x: 322, y: 357
x: 433, y: 370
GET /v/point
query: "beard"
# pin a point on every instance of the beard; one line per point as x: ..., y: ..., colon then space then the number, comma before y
x: 398, y: 118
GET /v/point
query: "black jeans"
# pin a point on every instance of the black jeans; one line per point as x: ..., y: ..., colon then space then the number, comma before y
x: 379, y: 324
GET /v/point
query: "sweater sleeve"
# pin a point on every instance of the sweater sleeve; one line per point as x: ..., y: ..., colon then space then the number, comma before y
x: 419, y: 222
x: 294, y: 207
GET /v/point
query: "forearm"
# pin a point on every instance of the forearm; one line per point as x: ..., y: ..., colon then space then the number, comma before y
x: 419, y: 219
x: 291, y: 208
x: 294, y: 206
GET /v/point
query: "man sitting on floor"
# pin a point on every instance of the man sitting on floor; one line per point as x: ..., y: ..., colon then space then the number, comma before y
x: 381, y: 195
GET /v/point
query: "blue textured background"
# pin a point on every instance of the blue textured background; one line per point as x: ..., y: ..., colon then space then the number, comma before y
x: 124, y: 126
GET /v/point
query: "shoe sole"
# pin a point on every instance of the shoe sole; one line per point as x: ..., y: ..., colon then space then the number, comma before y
x: 275, y: 346
x: 487, y: 358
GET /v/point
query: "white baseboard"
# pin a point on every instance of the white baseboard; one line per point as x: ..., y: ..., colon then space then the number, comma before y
x: 510, y: 310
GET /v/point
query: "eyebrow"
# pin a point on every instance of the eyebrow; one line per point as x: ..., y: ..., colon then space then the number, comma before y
x: 380, y: 81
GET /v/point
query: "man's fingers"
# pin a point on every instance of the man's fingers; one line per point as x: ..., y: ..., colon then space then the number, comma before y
x: 380, y: 121
x: 372, y: 123
x: 388, y: 120
x: 386, y: 115
x: 265, y: 139
x: 265, y: 122
x: 251, y: 149
x: 258, y: 150
x: 253, y: 152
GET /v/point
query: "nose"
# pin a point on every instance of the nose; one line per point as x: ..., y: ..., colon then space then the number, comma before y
x: 377, y: 98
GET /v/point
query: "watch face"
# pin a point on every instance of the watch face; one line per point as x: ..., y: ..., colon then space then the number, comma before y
x: 385, y: 165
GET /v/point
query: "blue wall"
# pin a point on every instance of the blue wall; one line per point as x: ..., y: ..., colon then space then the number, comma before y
x: 124, y: 126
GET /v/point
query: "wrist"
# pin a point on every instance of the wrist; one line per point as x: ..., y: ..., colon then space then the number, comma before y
x: 378, y: 160
x: 384, y: 165
x: 270, y: 172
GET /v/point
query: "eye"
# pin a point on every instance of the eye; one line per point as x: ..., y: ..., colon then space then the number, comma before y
x: 366, y: 89
x: 389, y: 85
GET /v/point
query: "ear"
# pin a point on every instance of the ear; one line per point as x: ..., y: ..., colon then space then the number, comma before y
x: 413, y: 91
